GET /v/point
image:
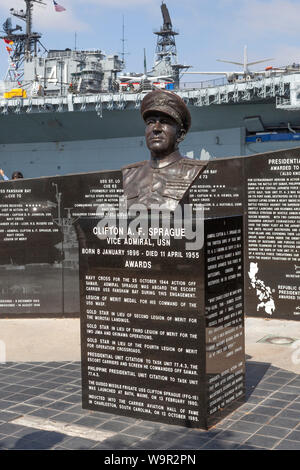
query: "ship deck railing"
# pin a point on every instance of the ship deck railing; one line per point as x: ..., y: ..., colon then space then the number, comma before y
x: 238, y: 92
x: 287, y: 104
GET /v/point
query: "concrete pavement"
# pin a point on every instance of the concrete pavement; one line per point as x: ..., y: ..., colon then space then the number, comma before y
x: 42, y: 340
x: 40, y: 396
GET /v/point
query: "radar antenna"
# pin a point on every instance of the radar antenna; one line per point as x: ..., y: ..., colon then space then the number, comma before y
x: 166, y: 17
x: 123, y: 40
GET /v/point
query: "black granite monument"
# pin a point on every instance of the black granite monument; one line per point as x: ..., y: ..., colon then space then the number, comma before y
x: 39, y: 247
x: 162, y: 320
x: 162, y: 326
x: 272, y: 241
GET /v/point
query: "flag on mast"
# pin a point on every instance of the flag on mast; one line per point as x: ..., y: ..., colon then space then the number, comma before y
x: 58, y: 7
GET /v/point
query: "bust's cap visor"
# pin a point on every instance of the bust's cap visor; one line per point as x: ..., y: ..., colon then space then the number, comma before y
x: 168, y: 103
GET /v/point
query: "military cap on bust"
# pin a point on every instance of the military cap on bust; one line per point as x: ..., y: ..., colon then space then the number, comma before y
x: 168, y: 103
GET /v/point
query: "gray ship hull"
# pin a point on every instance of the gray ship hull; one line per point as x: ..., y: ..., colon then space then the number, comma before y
x: 58, y: 143
x: 74, y: 113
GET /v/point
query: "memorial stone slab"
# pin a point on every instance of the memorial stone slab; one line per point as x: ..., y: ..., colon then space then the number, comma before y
x: 31, y: 248
x: 272, y: 241
x: 162, y: 325
x: 39, y: 273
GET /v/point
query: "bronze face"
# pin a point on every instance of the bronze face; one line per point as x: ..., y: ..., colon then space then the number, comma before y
x: 162, y: 134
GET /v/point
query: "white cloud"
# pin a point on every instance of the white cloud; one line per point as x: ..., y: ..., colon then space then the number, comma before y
x: 115, y: 3
x: 5, y: 6
x: 287, y: 55
x: 273, y: 16
x: 45, y: 16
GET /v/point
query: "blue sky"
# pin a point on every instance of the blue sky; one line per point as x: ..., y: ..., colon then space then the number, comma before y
x: 208, y: 29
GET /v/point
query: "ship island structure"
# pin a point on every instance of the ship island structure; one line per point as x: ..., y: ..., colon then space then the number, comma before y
x: 75, y: 111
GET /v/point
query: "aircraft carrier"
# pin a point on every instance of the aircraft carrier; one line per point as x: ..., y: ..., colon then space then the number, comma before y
x: 70, y: 111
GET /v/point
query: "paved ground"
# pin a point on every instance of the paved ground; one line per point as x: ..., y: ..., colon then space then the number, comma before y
x: 40, y: 395
x: 58, y: 339
x: 40, y: 408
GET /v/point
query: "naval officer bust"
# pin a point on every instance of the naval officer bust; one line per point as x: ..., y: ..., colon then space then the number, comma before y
x: 167, y: 176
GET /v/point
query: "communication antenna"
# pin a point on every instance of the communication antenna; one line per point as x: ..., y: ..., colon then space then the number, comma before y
x: 123, y: 39
x: 26, y: 16
x: 145, y: 62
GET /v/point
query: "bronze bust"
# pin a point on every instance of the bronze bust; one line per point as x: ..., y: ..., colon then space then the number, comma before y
x: 165, y: 179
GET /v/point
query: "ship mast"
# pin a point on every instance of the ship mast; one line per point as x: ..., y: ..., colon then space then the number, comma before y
x: 166, y: 45
x: 24, y: 45
x: 166, y: 53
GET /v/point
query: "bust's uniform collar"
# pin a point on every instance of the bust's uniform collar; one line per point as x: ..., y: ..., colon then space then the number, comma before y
x: 166, y: 161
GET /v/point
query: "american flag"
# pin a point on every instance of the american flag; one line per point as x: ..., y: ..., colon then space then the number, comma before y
x: 58, y: 7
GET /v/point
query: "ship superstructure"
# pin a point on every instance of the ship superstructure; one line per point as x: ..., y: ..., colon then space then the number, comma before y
x: 55, y: 72
x: 67, y: 71
x: 69, y: 112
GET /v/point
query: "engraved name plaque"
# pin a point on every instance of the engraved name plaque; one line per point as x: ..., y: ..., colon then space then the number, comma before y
x: 162, y: 324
